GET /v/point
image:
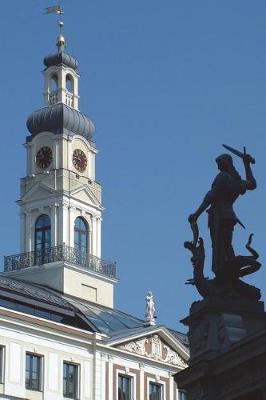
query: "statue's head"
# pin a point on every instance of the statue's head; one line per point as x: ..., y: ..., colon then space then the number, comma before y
x: 224, y: 162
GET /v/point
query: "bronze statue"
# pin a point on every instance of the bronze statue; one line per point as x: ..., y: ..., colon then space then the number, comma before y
x: 226, y: 188
x: 218, y: 202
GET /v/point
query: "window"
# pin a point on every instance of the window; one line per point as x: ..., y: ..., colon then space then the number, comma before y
x: 42, y: 236
x: 69, y: 83
x: 182, y: 395
x: 33, y: 372
x: 124, y: 387
x: 2, y: 363
x: 81, y: 236
x: 155, y: 391
x: 70, y: 380
x: 53, y: 83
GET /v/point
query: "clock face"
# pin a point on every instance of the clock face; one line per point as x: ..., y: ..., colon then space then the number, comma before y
x: 44, y: 157
x: 79, y: 160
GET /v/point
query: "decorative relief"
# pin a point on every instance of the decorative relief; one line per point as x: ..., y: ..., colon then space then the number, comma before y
x: 173, y: 358
x: 137, y: 347
x: 154, y: 348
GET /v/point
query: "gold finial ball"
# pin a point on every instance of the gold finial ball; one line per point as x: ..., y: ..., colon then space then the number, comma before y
x: 60, y: 40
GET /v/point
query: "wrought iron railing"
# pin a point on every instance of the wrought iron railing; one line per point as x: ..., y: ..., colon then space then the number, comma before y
x: 59, y: 253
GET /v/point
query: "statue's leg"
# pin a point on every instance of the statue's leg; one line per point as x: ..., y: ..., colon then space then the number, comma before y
x: 215, y: 239
x: 223, y: 252
x: 227, y: 237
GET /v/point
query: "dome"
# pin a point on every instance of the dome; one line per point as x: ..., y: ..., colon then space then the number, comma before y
x: 59, y: 118
x: 61, y: 58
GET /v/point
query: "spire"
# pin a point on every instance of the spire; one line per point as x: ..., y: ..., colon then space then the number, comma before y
x: 60, y: 113
x: 61, y: 77
x: 58, y: 9
x: 60, y: 43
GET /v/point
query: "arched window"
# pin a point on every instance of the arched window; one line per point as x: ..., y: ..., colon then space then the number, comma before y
x: 53, y: 84
x: 81, y: 235
x: 53, y: 88
x: 42, y: 234
x: 69, y: 83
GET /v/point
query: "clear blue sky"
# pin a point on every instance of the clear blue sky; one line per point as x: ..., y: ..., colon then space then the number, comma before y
x: 166, y: 82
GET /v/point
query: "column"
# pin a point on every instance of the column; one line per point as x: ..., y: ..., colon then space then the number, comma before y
x: 54, y: 224
x: 141, y: 380
x: 28, y: 236
x: 171, y: 386
x: 110, y: 378
x: 72, y: 217
x: 99, y: 237
x: 93, y: 236
x: 63, y: 224
x: 22, y: 232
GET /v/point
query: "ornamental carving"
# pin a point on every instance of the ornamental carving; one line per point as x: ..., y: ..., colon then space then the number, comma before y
x: 153, y: 347
x: 137, y: 347
x: 173, y: 358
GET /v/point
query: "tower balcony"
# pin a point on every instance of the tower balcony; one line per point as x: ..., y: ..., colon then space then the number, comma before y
x: 60, y: 253
x: 62, y: 95
x: 53, y: 97
x: 69, y: 100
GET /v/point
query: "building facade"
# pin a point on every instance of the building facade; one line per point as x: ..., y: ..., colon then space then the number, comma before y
x: 60, y: 335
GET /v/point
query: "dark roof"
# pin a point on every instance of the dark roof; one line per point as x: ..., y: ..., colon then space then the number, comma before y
x: 49, y: 304
x: 40, y: 301
x: 182, y: 337
x: 61, y: 58
x: 60, y: 118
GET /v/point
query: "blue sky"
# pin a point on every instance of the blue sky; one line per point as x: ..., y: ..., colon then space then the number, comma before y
x: 166, y: 83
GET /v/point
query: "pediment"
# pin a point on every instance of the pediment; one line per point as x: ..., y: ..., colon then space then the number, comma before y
x: 155, y: 347
x: 86, y: 196
x: 37, y: 192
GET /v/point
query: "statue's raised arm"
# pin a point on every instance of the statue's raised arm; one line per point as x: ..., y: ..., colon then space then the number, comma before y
x: 251, y: 183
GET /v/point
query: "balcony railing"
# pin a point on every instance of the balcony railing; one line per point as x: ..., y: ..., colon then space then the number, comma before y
x: 69, y: 99
x: 59, y: 253
x: 53, y: 97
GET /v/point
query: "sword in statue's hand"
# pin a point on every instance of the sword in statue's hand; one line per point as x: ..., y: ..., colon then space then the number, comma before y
x: 244, y: 156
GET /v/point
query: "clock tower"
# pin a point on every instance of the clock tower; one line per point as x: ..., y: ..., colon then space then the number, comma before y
x: 60, y: 201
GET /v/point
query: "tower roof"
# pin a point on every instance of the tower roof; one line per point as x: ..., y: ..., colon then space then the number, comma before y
x: 60, y: 118
x: 61, y: 58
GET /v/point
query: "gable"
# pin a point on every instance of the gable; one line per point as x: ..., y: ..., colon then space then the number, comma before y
x: 155, y: 348
x: 37, y: 192
x: 86, y: 196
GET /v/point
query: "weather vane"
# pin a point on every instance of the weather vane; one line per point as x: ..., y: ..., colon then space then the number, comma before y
x: 56, y: 9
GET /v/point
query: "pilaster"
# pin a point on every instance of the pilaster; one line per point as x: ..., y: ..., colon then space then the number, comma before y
x: 110, y: 378
x: 22, y: 231
x: 72, y: 217
x: 63, y: 223
x: 28, y: 231
x: 54, y: 224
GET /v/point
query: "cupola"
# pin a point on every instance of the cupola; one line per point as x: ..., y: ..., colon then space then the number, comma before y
x: 60, y: 113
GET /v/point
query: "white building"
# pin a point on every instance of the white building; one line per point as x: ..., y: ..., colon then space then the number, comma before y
x: 60, y: 336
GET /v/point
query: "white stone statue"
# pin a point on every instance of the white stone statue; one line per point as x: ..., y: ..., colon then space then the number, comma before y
x: 150, y: 309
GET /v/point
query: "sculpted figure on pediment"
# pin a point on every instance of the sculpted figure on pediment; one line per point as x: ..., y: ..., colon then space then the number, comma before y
x: 155, y: 349
x: 137, y: 347
x: 156, y: 346
x: 171, y: 357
